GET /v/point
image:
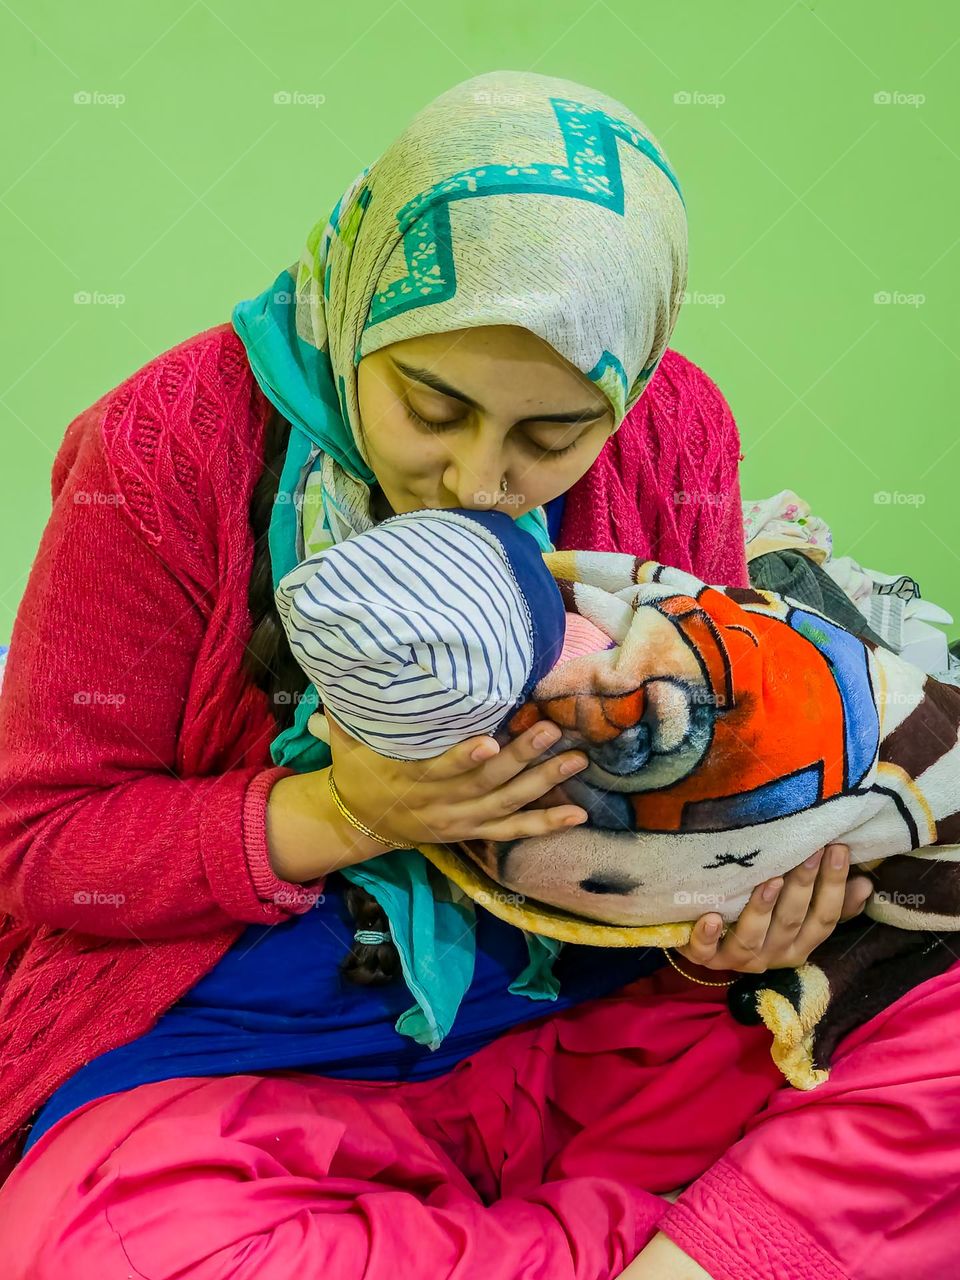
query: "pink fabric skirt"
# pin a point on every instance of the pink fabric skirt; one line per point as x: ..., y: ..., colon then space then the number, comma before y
x: 545, y: 1156
x: 539, y: 1156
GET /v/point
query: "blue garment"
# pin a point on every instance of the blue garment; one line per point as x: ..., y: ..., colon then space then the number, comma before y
x: 554, y: 513
x: 276, y: 1000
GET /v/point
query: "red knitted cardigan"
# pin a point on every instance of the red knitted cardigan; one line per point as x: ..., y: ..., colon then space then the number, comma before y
x: 134, y: 751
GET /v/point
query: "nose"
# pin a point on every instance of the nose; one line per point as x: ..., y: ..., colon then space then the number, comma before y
x: 474, y: 471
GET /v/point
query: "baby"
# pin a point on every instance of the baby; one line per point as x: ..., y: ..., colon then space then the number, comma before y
x: 430, y: 628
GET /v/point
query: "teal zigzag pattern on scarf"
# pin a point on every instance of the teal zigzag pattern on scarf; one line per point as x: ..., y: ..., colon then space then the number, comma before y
x: 592, y: 173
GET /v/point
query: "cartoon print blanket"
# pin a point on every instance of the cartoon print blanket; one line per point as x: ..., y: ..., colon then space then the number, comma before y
x: 731, y: 733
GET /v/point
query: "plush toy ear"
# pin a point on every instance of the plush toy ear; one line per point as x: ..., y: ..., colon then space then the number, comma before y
x: 861, y: 969
x: 608, y: 570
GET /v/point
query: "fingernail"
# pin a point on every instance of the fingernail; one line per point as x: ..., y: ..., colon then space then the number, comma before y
x: 481, y: 752
x: 545, y: 738
x: 814, y: 859
x: 771, y: 890
x: 712, y: 929
x: 838, y: 856
x: 571, y: 766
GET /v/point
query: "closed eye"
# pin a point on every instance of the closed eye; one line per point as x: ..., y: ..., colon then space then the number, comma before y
x: 532, y: 444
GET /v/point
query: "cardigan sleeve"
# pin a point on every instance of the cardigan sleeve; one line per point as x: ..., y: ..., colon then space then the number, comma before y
x: 102, y: 828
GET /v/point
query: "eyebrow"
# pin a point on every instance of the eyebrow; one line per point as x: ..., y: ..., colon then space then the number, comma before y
x: 431, y: 379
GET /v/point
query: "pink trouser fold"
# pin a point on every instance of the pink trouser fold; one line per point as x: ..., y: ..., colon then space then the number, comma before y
x: 542, y: 1157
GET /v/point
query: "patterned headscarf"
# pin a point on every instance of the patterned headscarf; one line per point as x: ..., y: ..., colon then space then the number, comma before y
x: 513, y: 198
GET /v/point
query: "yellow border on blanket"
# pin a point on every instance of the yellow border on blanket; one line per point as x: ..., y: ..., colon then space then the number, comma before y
x: 538, y: 917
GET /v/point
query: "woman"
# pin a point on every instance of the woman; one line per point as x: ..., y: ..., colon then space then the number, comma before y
x: 165, y: 883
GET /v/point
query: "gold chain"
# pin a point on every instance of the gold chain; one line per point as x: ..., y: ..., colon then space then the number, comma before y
x: 690, y: 977
x: 351, y: 818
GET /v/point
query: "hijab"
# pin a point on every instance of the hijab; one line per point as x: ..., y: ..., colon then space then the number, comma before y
x: 511, y: 199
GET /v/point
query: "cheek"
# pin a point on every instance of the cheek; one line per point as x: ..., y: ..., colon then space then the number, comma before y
x: 393, y: 443
x: 547, y: 477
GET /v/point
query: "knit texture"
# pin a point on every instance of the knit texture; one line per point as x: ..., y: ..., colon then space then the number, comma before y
x: 666, y: 484
x: 134, y: 750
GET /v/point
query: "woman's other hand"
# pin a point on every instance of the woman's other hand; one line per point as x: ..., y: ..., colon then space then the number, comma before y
x: 786, y: 918
x: 454, y: 796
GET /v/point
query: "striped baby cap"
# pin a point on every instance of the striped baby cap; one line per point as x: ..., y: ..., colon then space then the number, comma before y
x: 426, y: 629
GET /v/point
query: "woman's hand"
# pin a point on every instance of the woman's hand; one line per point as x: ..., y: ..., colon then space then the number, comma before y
x: 786, y: 918
x: 455, y: 796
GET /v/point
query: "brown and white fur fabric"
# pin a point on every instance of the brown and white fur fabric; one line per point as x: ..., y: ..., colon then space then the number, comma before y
x: 730, y: 733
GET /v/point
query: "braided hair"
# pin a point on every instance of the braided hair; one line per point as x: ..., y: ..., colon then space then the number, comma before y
x: 271, y: 666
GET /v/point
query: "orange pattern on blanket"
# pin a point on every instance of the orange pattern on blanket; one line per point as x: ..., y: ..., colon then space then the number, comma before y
x: 767, y: 725
x: 796, y: 723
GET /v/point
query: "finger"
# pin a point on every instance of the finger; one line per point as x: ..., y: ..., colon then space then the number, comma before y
x: 793, y: 903
x: 555, y: 796
x: 532, y: 783
x: 704, y: 940
x: 743, y: 946
x: 319, y: 726
x: 828, y: 896
x: 530, y: 822
x: 483, y: 754
x: 462, y: 758
x: 518, y: 755
x: 855, y: 896
x: 338, y: 735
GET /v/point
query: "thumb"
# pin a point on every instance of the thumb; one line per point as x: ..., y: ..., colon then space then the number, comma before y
x: 319, y: 726
x: 856, y: 892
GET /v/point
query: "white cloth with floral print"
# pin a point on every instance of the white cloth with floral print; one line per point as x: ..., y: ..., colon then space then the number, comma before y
x: 784, y: 522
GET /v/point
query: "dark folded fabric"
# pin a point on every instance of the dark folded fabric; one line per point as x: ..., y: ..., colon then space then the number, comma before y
x: 793, y: 574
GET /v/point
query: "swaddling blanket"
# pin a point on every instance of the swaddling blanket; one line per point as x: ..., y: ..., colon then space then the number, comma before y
x: 730, y: 733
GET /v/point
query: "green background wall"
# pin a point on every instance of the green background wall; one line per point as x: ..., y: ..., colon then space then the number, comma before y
x: 807, y: 197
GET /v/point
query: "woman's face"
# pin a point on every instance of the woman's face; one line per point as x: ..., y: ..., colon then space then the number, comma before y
x: 494, y: 400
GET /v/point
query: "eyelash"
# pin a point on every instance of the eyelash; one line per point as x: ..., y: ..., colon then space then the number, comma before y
x: 437, y: 427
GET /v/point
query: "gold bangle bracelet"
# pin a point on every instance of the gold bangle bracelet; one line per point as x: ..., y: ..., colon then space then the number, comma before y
x: 690, y: 977
x: 354, y: 821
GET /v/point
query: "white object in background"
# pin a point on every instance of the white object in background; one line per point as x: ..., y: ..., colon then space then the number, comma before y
x: 923, y: 641
x: 925, y: 646
x: 852, y: 578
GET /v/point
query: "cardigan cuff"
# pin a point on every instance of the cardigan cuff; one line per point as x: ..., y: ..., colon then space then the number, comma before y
x: 732, y: 1230
x: 288, y: 895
